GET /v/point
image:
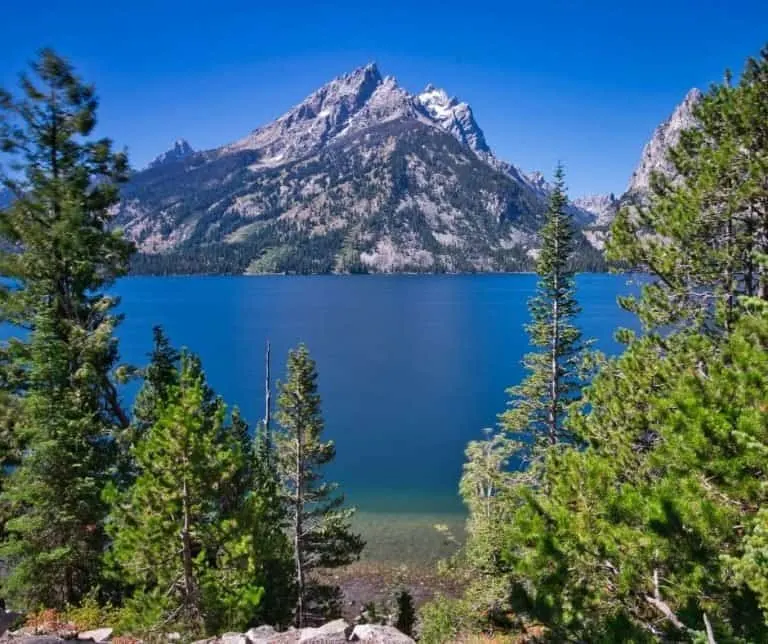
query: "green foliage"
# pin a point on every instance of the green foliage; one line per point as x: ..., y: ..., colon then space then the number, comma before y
x: 60, y: 403
x: 197, y: 535
x: 443, y: 620
x: 653, y: 529
x: 168, y: 532
x: 318, y: 522
x: 538, y: 405
x: 703, y: 229
x: 751, y: 566
x: 91, y: 613
x: 498, y: 466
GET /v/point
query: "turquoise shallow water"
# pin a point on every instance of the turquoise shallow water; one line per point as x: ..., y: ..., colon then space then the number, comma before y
x: 411, y: 367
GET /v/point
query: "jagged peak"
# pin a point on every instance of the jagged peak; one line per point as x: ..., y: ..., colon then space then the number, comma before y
x: 369, y: 70
x: 182, y: 144
x: 665, y: 136
x: 179, y: 150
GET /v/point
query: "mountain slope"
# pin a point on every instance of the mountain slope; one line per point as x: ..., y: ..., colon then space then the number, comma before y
x: 398, y: 196
x: 360, y: 176
x: 654, y: 158
x: 665, y: 136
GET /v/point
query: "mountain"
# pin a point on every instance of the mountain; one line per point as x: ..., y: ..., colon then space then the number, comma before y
x: 601, y: 207
x: 654, y: 156
x: 360, y: 176
x: 180, y: 150
x: 454, y: 117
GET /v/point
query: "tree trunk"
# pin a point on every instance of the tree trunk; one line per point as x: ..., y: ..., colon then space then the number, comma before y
x: 186, y: 549
x: 298, y: 528
x: 553, y: 375
x: 267, y: 400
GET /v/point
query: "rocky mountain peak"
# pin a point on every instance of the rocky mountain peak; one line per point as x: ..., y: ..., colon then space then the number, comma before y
x: 539, y: 181
x: 180, y: 150
x: 665, y: 136
x: 350, y: 103
x: 454, y: 116
x: 313, y: 122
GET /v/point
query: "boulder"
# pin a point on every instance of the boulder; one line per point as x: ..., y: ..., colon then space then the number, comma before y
x: 261, y: 635
x: 334, y: 632
x: 96, y: 635
x: 233, y: 638
x: 378, y: 634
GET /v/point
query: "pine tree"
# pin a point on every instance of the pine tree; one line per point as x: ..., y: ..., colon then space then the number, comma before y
x: 704, y: 228
x: 173, y: 540
x: 502, y: 464
x: 57, y: 256
x: 318, y: 523
x: 159, y: 377
x: 538, y: 405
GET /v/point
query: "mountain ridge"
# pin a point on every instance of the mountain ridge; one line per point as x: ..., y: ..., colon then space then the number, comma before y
x: 359, y: 176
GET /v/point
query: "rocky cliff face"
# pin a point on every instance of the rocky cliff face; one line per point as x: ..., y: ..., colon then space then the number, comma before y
x: 654, y: 157
x: 602, y: 207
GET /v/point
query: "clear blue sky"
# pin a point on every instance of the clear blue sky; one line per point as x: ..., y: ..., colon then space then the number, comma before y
x: 585, y: 82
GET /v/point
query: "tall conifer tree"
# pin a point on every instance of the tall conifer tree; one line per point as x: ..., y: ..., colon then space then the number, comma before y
x: 318, y: 523
x: 176, y: 535
x: 703, y: 230
x: 538, y: 404
x: 58, y: 254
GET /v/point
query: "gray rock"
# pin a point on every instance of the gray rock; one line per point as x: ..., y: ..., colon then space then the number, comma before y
x: 38, y: 639
x: 233, y: 638
x: 261, y: 635
x: 96, y: 635
x: 378, y: 634
x: 180, y: 150
x: 342, y: 152
x: 333, y: 632
x: 667, y: 135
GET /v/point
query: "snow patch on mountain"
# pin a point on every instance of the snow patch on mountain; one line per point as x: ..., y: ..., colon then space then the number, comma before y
x: 453, y: 116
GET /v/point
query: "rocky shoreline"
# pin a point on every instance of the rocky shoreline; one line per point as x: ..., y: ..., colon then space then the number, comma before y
x: 336, y: 632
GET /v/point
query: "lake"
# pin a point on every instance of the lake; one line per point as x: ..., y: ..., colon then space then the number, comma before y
x: 410, y: 367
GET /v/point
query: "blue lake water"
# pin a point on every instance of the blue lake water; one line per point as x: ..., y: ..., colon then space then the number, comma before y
x: 410, y: 367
